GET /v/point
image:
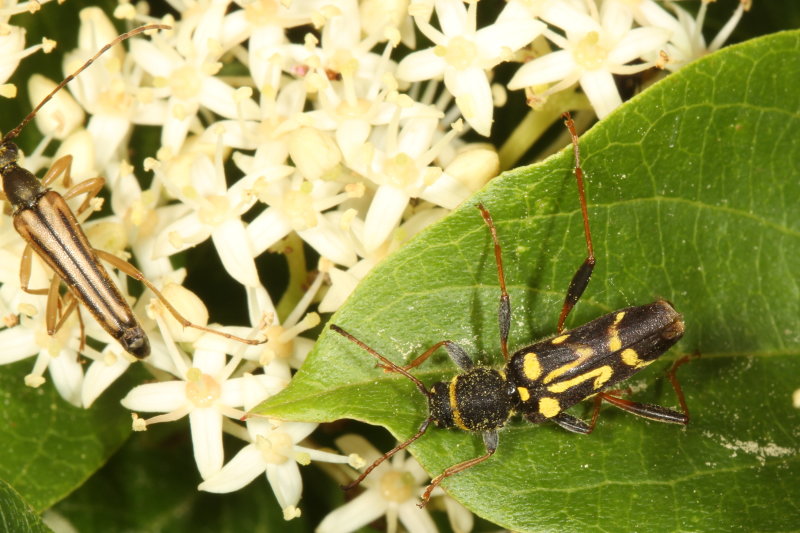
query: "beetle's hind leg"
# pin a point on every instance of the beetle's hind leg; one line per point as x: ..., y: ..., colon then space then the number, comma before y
x: 651, y: 411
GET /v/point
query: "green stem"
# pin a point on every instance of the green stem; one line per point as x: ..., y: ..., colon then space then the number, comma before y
x: 298, y: 275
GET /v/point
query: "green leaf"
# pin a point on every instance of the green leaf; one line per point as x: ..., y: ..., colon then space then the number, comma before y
x: 49, y: 448
x: 693, y: 196
x: 15, y: 514
x: 151, y: 485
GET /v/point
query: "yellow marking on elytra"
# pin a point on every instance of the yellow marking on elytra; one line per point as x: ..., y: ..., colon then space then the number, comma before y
x: 454, y: 405
x: 559, y: 340
x: 531, y: 366
x: 560, y: 370
x: 549, y: 407
x: 601, y: 375
x: 614, y: 342
x: 631, y: 358
x: 582, y: 353
x: 524, y: 395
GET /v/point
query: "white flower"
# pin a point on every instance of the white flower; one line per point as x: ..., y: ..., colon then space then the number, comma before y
x: 186, y: 72
x: 343, y: 282
x: 284, y: 342
x: 379, y: 15
x: 283, y: 345
x: 273, y: 450
x: 687, y: 42
x: 363, y: 95
x: 402, y: 167
x: 103, y: 372
x: 393, y: 489
x: 462, y: 54
x: 212, y: 209
x: 110, y: 89
x: 302, y: 206
x: 61, y: 116
x: 596, y: 46
x: 12, y: 50
x: 138, y: 221
x: 57, y: 353
x: 205, y: 393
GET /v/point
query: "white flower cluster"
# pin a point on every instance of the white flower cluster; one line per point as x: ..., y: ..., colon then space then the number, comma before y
x: 329, y: 137
x: 12, y: 42
x: 617, y: 37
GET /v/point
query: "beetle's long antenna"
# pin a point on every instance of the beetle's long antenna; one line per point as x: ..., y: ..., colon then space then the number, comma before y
x: 357, y: 481
x: 13, y: 133
x: 387, y: 364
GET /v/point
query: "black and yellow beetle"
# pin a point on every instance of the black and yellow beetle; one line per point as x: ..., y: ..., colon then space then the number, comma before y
x: 544, y: 379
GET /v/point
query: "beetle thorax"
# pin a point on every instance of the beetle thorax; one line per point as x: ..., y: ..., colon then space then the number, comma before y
x: 480, y: 399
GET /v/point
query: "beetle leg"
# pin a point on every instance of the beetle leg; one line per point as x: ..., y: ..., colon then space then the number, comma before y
x: 489, y: 440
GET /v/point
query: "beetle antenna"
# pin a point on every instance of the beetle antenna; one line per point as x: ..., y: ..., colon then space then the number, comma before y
x: 384, y: 362
x: 421, y: 431
x: 13, y: 133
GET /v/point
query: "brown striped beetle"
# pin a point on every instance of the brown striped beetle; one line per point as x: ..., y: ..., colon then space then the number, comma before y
x: 42, y: 217
x: 544, y: 379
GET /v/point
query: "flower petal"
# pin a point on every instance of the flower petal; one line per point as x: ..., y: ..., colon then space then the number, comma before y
x: 148, y: 56
x: 637, y: 43
x: 384, y: 215
x: 330, y: 242
x: 257, y: 388
x: 459, y: 516
x: 266, y: 229
x: 207, y: 440
x: 342, y: 284
x: 414, y: 518
x: 67, y: 375
x: 568, y: 18
x: 108, y: 131
x: 473, y: 95
x: 422, y: 65
x: 101, y: 374
x: 286, y: 482
x: 446, y: 191
x: 616, y: 18
x: 601, y: 90
x: 233, y: 246
x: 176, y: 126
x: 546, y: 69
x: 232, y: 394
x: 497, y: 40
x: 18, y: 343
x: 356, y: 513
x: 222, y: 99
x: 298, y: 430
x: 453, y: 17
x: 180, y: 235
x: 240, y: 471
x: 161, y: 397
x: 209, y: 362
